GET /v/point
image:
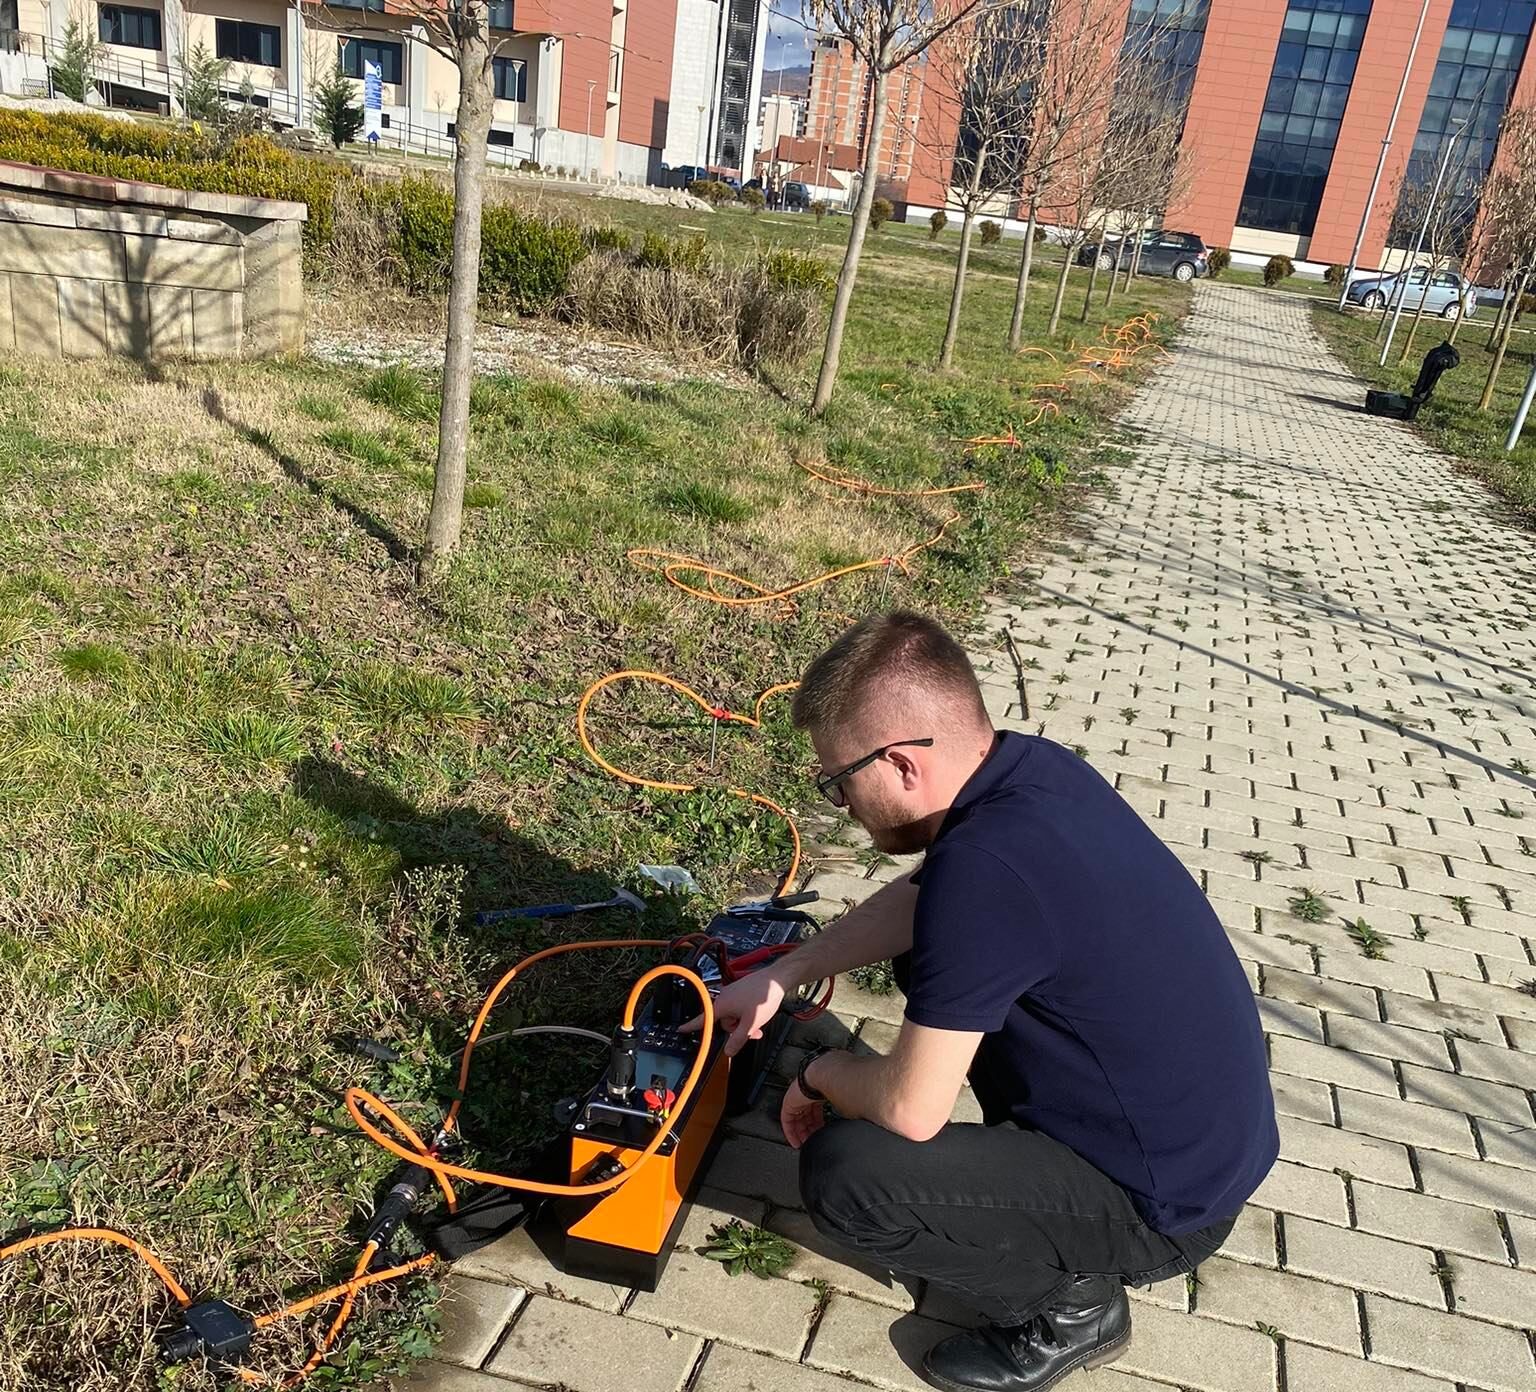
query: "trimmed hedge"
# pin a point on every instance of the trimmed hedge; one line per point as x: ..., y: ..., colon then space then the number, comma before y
x: 183, y: 157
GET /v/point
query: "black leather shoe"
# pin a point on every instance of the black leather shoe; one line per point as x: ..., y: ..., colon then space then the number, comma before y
x: 1090, y: 1323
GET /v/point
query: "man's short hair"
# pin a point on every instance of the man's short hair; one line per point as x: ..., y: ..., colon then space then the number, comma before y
x: 884, y: 657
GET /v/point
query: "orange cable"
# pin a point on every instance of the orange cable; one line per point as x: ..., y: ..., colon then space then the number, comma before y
x: 357, y: 1098
x: 149, y: 1259
x: 859, y: 486
x: 624, y: 775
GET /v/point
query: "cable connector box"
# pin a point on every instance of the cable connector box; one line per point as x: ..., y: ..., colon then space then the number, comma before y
x: 213, y: 1329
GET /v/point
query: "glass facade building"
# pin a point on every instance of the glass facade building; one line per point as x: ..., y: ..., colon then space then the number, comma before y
x: 1170, y: 33
x: 1485, y: 43
x: 1308, y: 90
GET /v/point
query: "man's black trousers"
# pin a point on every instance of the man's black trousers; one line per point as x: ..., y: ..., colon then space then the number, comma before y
x: 1002, y: 1217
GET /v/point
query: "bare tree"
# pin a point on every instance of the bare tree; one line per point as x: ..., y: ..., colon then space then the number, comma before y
x: 461, y: 32
x: 884, y: 35
x: 1508, y: 225
x: 1443, y: 204
x: 986, y: 71
x: 1071, y: 99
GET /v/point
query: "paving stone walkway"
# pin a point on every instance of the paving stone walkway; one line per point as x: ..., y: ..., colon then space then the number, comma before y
x: 1305, y: 649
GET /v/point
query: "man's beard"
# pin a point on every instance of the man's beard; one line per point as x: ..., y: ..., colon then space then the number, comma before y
x: 905, y: 838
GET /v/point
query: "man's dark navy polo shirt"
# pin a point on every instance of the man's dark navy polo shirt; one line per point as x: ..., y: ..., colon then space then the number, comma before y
x: 1116, y: 1016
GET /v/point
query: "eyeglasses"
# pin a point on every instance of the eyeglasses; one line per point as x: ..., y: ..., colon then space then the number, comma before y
x: 830, y: 785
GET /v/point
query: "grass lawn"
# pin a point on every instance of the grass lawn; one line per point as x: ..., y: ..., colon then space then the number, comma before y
x: 254, y: 783
x: 1292, y: 285
x: 1451, y: 419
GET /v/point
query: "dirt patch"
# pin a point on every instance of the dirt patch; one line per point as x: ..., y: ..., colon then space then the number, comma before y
x: 337, y: 335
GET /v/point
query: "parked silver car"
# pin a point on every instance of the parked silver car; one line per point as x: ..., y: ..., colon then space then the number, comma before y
x: 1447, y: 294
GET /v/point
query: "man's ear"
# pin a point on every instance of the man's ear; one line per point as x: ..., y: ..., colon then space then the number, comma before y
x: 904, y: 765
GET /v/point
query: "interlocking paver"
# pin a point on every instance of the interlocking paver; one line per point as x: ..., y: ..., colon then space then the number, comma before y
x: 1199, y: 1353
x: 473, y: 1314
x: 1318, y: 1370
x: 1362, y: 1260
x: 1455, y: 1227
x: 1493, y: 1292
x: 557, y: 1344
x: 1450, y: 1346
x: 776, y: 1318
x: 1299, y: 1308
x: 874, y: 1344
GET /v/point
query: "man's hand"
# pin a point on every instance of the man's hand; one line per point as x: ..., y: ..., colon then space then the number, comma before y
x: 800, y: 1117
x: 745, y: 1008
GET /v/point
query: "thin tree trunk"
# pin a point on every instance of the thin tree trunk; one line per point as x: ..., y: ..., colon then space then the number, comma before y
x: 826, y: 379
x: 1061, y: 287
x: 1134, y: 263
x: 1093, y: 276
x: 1021, y: 289
x: 962, y: 260
x: 952, y: 328
x: 1114, y: 271
x: 476, y: 105
x: 1413, y: 327
x: 1456, y: 324
x: 1498, y: 357
x: 1506, y: 284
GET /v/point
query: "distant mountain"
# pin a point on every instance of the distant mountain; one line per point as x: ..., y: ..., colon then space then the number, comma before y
x: 792, y: 82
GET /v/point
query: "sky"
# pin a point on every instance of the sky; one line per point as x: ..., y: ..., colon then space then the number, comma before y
x: 787, y: 39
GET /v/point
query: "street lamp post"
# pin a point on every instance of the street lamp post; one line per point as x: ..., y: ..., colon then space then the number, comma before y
x: 1401, y: 292
x: 591, y: 83
x: 1381, y: 159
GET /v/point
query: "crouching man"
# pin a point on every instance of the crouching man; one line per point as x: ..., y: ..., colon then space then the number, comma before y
x: 1055, y: 952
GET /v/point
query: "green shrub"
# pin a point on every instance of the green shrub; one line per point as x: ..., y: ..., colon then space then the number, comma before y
x: 712, y: 191
x: 663, y: 253
x: 793, y: 270
x: 205, y: 74
x: 528, y: 166
x: 79, y: 54
x: 1040, y: 234
x: 1334, y: 275
x: 820, y: 208
x: 526, y: 263
x: 605, y: 238
x: 337, y: 111
x: 881, y: 211
x: 938, y: 220
x: 1276, y: 269
x: 1218, y: 261
x: 991, y: 232
x: 753, y: 198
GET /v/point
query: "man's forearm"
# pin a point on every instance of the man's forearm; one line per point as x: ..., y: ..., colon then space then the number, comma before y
x: 879, y: 928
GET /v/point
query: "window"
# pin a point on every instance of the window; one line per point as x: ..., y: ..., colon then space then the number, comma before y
x: 241, y: 42
x: 500, y: 14
x: 1308, y: 91
x: 511, y: 75
x: 133, y: 28
x: 389, y: 56
x: 358, y: 4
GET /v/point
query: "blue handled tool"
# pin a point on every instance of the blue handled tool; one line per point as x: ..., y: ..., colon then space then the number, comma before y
x: 622, y: 899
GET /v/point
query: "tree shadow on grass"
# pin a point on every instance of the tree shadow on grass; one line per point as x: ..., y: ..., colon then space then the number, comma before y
x: 213, y: 404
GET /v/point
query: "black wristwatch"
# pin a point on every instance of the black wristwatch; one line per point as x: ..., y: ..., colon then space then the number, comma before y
x: 811, y: 1094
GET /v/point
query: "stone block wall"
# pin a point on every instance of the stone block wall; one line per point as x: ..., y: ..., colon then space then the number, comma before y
x: 92, y: 266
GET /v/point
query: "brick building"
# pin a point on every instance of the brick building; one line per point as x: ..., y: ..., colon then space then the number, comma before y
x: 1287, y: 104
x: 611, y: 88
x: 837, y: 109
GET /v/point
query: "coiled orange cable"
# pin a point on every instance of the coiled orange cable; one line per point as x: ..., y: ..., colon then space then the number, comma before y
x: 754, y: 720
x: 674, y: 567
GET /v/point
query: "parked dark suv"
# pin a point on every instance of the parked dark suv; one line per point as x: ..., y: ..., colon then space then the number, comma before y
x: 1181, y: 255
